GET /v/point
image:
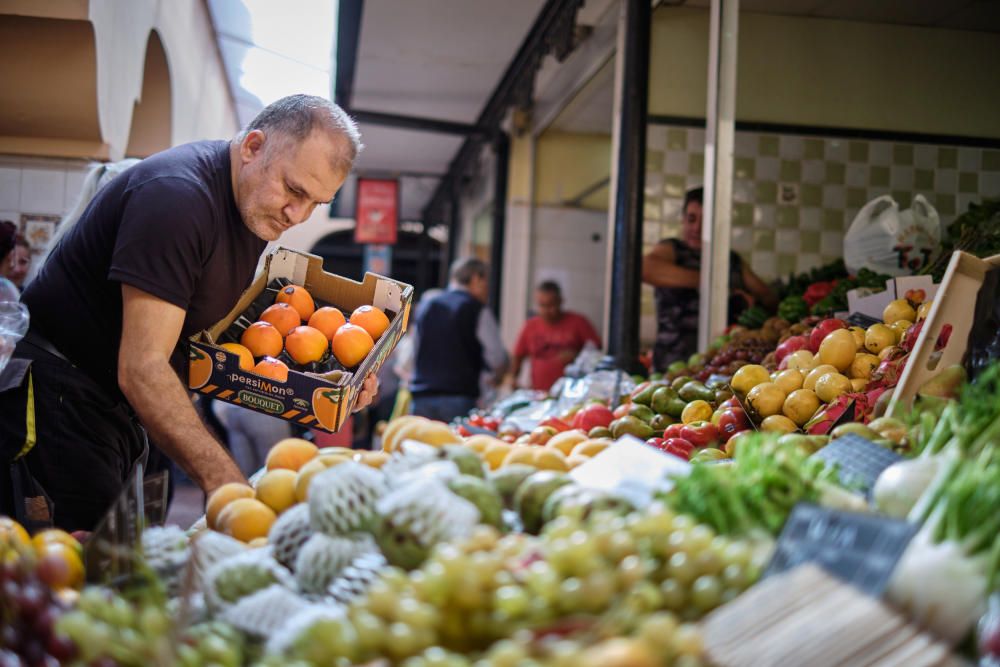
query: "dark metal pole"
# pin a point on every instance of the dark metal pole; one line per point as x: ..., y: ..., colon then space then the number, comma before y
x: 501, y: 149
x: 454, y: 226
x: 626, y: 267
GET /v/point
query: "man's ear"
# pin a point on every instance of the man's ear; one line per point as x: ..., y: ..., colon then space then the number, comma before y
x: 252, y: 145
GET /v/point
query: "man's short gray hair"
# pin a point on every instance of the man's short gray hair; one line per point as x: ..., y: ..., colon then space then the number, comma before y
x: 464, y: 268
x: 296, y: 116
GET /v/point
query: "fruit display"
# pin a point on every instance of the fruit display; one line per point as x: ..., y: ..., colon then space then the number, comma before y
x: 292, y: 332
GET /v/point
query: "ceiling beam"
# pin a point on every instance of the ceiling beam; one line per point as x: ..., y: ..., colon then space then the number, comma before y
x: 348, y: 30
x: 419, y: 123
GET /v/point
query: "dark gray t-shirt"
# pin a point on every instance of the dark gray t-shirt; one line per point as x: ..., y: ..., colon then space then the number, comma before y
x: 168, y: 226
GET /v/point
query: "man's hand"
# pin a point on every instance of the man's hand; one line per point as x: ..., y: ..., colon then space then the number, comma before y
x: 368, y: 393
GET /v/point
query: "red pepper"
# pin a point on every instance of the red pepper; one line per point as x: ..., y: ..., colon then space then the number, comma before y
x: 462, y: 431
x: 817, y: 291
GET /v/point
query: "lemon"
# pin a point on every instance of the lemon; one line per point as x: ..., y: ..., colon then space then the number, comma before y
x: 697, y: 411
x: 832, y: 385
x: 778, y: 424
x: 924, y: 310
x: 862, y: 366
x: 838, y: 349
x: 900, y: 327
x: 789, y: 380
x: 858, y: 384
x: 816, y: 374
x: 766, y: 399
x: 520, y: 454
x: 800, y: 406
x: 900, y: 309
x: 800, y: 360
x: 859, y: 337
x: 878, y: 337
x: 748, y: 377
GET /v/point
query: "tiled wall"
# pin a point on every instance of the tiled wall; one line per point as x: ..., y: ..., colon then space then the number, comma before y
x: 38, y: 187
x: 795, y: 196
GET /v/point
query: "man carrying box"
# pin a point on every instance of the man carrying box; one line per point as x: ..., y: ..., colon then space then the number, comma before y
x: 162, y: 252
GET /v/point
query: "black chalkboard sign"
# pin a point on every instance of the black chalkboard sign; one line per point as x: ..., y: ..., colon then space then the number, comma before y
x: 860, y: 549
x: 862, y: 320
x: 859, y: 461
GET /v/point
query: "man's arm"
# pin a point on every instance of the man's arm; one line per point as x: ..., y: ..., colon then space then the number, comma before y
x: 494, y: 353
x: 150, y: 330
x: 659, y: 269
x: 758, y: 287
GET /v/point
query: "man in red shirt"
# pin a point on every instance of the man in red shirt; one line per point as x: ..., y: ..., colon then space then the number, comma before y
x: 551, y: 339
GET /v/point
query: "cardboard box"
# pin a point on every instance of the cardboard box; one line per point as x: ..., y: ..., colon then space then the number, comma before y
x: 322, y: 401
x: 953, y: 307
x: 863, y: 301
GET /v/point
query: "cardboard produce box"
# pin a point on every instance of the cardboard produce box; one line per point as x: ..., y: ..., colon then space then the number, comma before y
x: 312, y: 399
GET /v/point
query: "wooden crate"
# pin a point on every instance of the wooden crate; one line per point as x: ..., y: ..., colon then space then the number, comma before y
x: 954, y: 305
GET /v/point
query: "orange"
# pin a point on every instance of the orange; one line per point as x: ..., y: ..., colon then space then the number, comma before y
x: 291, y: 453
x: 351, y: 344
x: 262, y: 339
x: 276, y: 489
x: 299, y: 298
x: 246, y: 519
x: 272, y: 368
x: 371, y: 319
x: 325, y: 403
x: 306, y: 344
x: 327, y: 320
x: 245, y: 355
x: 282, y: 316
x: 199, y: 368
x: 54, y: 535
x: 222, y: 496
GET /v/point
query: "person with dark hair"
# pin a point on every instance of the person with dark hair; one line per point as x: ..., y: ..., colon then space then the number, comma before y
x: 18, y: 263
x: 551, y: 339
x: 162, y: 252
x: 673, y: 268
x: 8, y: 242
x: 455, y: 341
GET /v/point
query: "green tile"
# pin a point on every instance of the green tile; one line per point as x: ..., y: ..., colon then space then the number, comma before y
x: 810, y: 194
x: 767, y: 145
x: 835, y: 173
x: 809, y: 240
x: 923, y: 179
x: 902, y: 154
x: 788, y: 216
x: 651, y: 210
x: 677, y: 140
x: 763, y: 239
x: 991, y: 160
x: 903, y: 198
x: 857, y: 151
x: 833, y: 220
x: 673, y: 185
x: 654, y: 161
x: 878, y: 176
x: 945, y: 204
x: 786, y: 264
x: 791, y: 171
x: 744, y: 167
x: 857, y: 197
x: 767, y: 192
x: 947, y: 158
x: 696, y: 164
x: 814, y: 149
x: 743, y: 215
x: 968, y: 182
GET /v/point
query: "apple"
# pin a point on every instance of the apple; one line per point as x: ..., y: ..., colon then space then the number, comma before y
x: 733, y: 421
x: 700, y: 433
x: 672, y: 431
x: 791, y: 344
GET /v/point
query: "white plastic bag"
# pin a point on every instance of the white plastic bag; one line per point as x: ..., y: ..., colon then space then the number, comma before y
x: 13, y: 320
x: 885, y: 240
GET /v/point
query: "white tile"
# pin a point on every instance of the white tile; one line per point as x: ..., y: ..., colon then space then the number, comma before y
x: 671, y: 208
x: 856, y: 175
x: 813, y: 171
x: 962, y: 205
x: 696, y: 140
x: 742, y: 239
x: 810, y: 217
x: 13, y: 216
x: 969, y: 159
x: 745, y: 144
x: 836, y: 150
x: 763, y: 264
x: 831, y: 244
x: 787, y: 241
x: 42, y: 191
x: 765, y: 216
x: 924, y: 156
x: 849, y: 214
x: 656, y: 138
x: 675, y: 163
x: 900, y: 178
x: 650, y: 234
x: 744, y: 191
x: 654, y: 185
x: 989, y: 184
x: 768, y: 168
x: 807, y: 261
x: 880, y: 153
x: 694, y: 182
x: 834, y: 196
x: 10, y: 188
x: 791, y: 147
x: 946, y: 181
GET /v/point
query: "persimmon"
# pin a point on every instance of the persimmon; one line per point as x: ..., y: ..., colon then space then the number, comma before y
x: 245, y: 355
x: 299, y: 298
x: 327, y: 319
x: 282, y: 316
x: 272, y: 368
x: 371, y: 319
x: 306, y: 344
x: 351, y: 344
x: 262, y: 339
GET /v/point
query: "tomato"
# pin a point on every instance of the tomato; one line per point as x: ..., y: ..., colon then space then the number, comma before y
x: 700, y: 433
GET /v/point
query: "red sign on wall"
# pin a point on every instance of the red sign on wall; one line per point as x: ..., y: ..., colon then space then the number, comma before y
x: 378, y: 204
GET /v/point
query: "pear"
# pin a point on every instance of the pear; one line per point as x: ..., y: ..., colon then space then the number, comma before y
x: 945, y: 384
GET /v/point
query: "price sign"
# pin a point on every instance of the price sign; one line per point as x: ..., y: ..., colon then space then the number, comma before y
x: 631, y: 469
x: 861, y: 549
x: 377, y: 211
x: 862, y: 320
x: 859, y: 461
